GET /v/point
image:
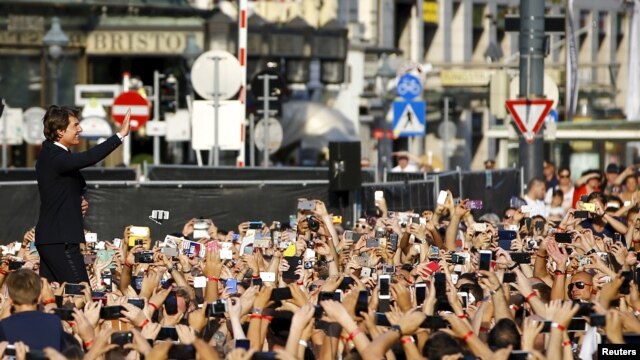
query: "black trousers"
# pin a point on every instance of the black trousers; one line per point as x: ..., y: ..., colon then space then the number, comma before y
x: 62, y: 263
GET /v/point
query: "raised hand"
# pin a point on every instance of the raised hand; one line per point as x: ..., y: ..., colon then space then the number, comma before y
x: 126, y: 124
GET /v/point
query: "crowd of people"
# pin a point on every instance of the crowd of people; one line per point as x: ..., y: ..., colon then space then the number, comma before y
x: 550, y: 279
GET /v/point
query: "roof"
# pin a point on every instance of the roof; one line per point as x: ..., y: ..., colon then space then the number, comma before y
x: 109, y: 7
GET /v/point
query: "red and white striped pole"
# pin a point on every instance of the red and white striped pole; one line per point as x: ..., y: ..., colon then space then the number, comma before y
x: 242, y: 57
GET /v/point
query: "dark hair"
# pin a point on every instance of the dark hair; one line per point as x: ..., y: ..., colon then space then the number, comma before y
x: 503, y: 334
x: 597, y: 196
x: 544, y: 291
x: 564, y: 168
x: 57, y: 118
x: 558, y: 193
x: 440, y: 344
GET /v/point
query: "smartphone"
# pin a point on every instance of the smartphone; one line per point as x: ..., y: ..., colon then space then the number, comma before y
x: 509, y: 277
x: 144, y: 257
x: 280, y: 294
x: 388, y: 269
x: 74, y: 289
x: 294, y: 262
x: 474, y: 204
x: 421, y: 293
x: 111, y: 312
x: 434, y: 322
x: 121, y: 338
x: 581, y: 214
x: 362, y: 305
x: 365, y: 272
x: 440, y: 282
x: 167, y: 332
x: 348, y: 235
x: 485, y: 260
x: 521, y: 257
x: 505, y: 244
x: 255, y: 225
x: 15, y: 265
x: 325, y: 295
x: 598, y: 320
x: 393, y: 239
x: 139, y: 303
x: 267, y: 276
x: 384, y: 285
x: 216, y: 308
x: 627, y: 276
x: 306, y: 205
x: 231, y: 286
x: 507, y: 235
x: 464, y: 296
x: 373, y: 243
x: 378, y: 195
x: 381, y: 319
x: 64, y: 314
x: 169, y: 252
x: 243, y: 344
x: 337, y: 295
x: 346, y: 283
x: 181, y: 351
x: 562, y: 238
x: 519, y: 355
x: 589, y: 207
x: 442, y: 197
x: 480, y: 227
x: 577, y: 324
x: 171, y: 304
x: 264, y: 356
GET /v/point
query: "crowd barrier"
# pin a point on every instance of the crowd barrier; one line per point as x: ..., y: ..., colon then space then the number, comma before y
x: 116, y: 204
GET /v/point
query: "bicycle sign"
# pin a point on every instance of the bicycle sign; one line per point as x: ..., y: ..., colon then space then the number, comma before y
x: 409, y: 87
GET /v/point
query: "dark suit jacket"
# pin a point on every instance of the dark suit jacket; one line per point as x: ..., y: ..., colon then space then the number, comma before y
x: 61, y: 187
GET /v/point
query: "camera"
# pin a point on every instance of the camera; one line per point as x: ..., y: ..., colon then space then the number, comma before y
x: 308, y: 264
x: 218, y: 307
x: 313, y: 223
x: 144, y: 257
x: 531, y: 244
x: 457, y: 259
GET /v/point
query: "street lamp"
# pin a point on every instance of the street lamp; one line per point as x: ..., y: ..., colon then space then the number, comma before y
x: 55, y: 40
x: 385, y: 73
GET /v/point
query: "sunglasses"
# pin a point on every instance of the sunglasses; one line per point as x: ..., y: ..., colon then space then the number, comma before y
x: 579, y: 284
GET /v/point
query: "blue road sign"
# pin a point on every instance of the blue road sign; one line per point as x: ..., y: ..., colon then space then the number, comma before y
x: 409, y: 118
x: 409, y: 87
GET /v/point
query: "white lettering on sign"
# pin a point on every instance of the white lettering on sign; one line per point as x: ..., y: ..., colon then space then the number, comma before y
x: 138, y: 42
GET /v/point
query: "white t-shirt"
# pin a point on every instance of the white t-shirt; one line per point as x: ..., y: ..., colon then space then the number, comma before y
x: 537, y: 207
x: 409, y: 168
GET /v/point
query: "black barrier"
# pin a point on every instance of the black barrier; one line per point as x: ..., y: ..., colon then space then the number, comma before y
x: 494, y: 188
x: 112, y: 207
x: 90, y: 174
x: 206, y: 173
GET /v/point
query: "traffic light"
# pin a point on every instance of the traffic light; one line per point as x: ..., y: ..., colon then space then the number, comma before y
x: 168, y: 95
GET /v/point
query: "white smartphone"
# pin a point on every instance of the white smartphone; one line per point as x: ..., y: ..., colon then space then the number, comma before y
x: 465, y: 299
x: 100, y: 245
x: 526, y: 208
x: 485, y: 260
x: 200, y: 282
x: 91, y: 237
x: 384, y: 287
x: 417, y: 247
x: 513, y: 228
x: 480, y: 227
x: 338, y: 294
x: 226, y: 254
x: 268, y: 276
x: 378, y: 195
x: 365, y: 272
x: 442, y: 197
x: 117, y: 242
x: 421, y: 293
x: 309, y: 254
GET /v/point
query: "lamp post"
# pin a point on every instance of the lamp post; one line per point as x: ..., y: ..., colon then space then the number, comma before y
x: 385, y: 73
x: 55, y: 40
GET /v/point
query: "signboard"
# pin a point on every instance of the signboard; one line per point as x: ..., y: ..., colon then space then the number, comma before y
x: 178, y: 126
x: 229, y: 125
x: 13, y: 120
x: 529, y: 115
x: 156, y: 128
x: 100, y: 94
x: 203, y: 76
x: 139, y: 109
x: 275, y: 135
x: 140, y: 42
x: 465, y: 77
x: 409, y: 87
x: 430, y: 12
x: 409, y: 118
x: 94, y: 127
x: 33, y: 127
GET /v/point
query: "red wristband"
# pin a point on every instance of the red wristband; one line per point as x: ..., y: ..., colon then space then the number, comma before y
x: 299, y: 282
x: 48, y: 301
x: 462, y: 316
x: 154, y: 306
x: 255, y: 276
x: 353, y: 334
x: 88, y: 343
x: 212, y: 278
x: 566, y: 343
x: 408, y: 340
x: 484, y: 329
x: 540, y: 256
x: 144, y: 323
x: 533, y: 293
x: 127, y: 264
x: 559, y: 326
x: 255, y: 316
x: 267, y: 318
x: 467, y: 336
x: 2, y: 272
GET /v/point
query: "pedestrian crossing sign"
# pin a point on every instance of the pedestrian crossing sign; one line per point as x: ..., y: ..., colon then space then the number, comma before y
x: 409, y: 118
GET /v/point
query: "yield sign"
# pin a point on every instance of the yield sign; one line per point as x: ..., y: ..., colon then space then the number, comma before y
x: 529, y: 115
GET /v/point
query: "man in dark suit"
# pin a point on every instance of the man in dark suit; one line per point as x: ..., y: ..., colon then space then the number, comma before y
x: 60, y: 229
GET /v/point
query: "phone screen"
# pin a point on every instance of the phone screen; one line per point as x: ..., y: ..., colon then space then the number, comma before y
x: 485, y: 260
x: 171, y: 304
x: 384, y: 286
x: 421, y: 293
x: 440, y: 285
x: 363, y: 302
x: 627, y: 276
